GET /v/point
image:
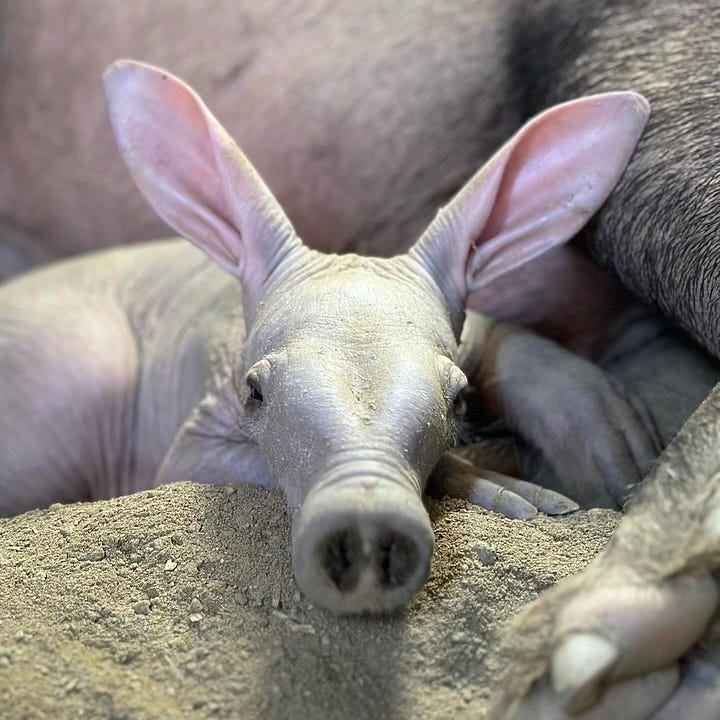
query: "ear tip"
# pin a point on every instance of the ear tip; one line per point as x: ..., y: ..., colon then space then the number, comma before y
x: 630, y: 102
x: 119, y: 75
x: 638, y: 102
x: 116, y: 78
x: 624, y: 107
x: 117, y: 70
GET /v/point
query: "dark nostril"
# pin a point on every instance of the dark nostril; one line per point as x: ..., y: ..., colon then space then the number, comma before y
x: 397, y: 559
x: 356, y: 551
x: 394, y: 558
x: 339, y: 557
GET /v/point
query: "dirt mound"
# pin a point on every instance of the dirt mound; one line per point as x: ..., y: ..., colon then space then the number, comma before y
x: 180, y: 603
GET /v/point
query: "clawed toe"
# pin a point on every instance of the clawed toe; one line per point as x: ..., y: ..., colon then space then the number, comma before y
x: 457, y: 477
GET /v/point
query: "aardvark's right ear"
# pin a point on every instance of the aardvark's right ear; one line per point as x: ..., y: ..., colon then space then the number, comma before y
x: 193, y: 174
x: 537, y: 191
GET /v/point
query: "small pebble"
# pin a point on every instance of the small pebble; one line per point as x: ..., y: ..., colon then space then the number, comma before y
x: 94, y: 555
x: 256, y: 596
x: 170, y: 565
x: 308, y: 629
x: 486, y: 555
x: 195, y: 617
x: 141, y: 607
x: 71, y: 685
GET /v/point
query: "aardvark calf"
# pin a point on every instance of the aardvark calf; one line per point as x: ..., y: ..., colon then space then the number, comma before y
x: 333, y: 378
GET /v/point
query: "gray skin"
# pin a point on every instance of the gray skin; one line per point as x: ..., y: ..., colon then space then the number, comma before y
x: 296, y: 377
x: 148, y: 385
x: 606, y: 643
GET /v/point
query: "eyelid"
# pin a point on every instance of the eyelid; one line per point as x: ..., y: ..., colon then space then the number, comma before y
x: 260, y: 369
x: 455, y: 378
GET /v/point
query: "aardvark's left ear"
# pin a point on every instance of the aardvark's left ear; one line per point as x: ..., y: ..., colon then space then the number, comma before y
x: 536, y: 192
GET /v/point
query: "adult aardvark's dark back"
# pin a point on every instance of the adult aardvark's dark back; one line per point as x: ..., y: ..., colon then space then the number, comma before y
x: 660, y: 230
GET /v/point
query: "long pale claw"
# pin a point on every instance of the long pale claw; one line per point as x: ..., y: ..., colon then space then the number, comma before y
x: 456, y: 477
x: 650, y: 624
x: 547, y: 501
x: 606, y: 644
x: 579, y: 664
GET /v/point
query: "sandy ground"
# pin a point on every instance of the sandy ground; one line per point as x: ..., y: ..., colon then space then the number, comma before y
x: 180, y: 603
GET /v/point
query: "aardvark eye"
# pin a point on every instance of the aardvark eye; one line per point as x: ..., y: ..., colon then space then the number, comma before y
x: 255, y: 395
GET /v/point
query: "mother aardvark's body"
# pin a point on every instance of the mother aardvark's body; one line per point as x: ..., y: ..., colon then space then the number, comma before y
x: 334, y: 377
x: 362, y: 118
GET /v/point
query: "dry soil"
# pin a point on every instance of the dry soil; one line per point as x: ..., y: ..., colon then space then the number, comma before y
x: 180, y: 603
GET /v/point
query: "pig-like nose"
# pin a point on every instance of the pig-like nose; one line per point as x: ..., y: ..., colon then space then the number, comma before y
x: 362, y: 546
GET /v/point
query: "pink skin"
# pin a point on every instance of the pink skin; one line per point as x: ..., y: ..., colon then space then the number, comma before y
x: 357, y: 164
x: 51, y: 110
x: 565, y: 297
x: 534, y: 194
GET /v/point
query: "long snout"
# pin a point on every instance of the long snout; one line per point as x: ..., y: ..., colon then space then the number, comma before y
x: 362, y: 545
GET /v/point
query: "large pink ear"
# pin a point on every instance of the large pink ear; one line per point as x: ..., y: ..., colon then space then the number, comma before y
x: 536, y: 192
x: 193, y: 174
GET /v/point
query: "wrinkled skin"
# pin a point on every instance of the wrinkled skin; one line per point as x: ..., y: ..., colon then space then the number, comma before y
x: 582, y: 647
x: 379, y: 169
x: 658, y: 232
x: 296, y: 377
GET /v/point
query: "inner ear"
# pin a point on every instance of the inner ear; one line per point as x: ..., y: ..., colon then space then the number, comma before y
x: 536, y: 192
x: 194, y: 175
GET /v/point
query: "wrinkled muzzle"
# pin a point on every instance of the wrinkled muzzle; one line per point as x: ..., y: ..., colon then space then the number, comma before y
x: 362, y: 545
